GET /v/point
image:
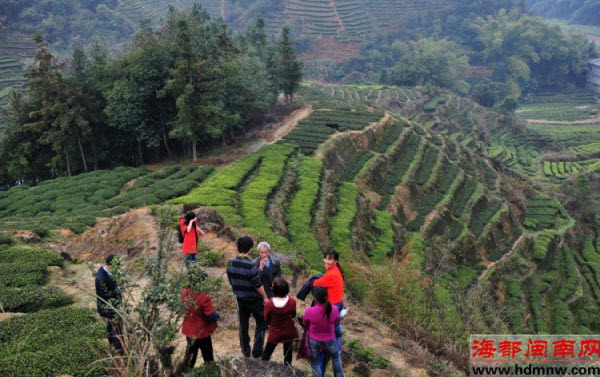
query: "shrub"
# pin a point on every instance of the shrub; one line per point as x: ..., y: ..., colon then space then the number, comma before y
x: 254, y: 200
x: 341, y: 224
x: 32, y: 298
x: 211, y: 258
x: 366, y: 354
x: 541, y: 244
x: 51, y: 342
x: 300, y: 210
x: 385, y: 242
x: 6, y: 239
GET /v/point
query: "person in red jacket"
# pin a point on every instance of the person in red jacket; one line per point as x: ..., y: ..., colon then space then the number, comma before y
x: 188, y: 226
x: 200, y: 320
x: 280, y: 312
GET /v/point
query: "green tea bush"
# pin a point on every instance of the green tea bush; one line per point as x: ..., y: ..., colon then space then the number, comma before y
x: 424, y: 171
x: 392, y: 134
x: 402, y: 158
x: 483, y: 211
x: 341, y: 224
x: 76, y: 202
x: 32, y: 298
x: 385, y: 242
x: 22, y: 274
x: 441, y: 185
x: 462, y: 195
x: 541, y: 244
x: 300, y: 211
x: 220, y: 191
x: 312, y: 132
x: 254, y: 200
x: 52, y: 342
x: 355, y: 164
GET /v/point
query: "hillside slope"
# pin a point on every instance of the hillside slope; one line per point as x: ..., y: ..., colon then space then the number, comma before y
x: 438, y: 239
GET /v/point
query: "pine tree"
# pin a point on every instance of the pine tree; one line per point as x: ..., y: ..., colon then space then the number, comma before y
x: 289, y: 67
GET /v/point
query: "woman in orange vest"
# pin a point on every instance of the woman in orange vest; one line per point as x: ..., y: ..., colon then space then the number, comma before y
x: 188, y: 226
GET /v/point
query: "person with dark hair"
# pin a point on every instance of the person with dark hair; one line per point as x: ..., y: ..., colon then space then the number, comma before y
x: 333, y: 281
x: 200, y: 320
x: 269, y: 267
x: 250, y: 295
x: 108, y: 299
x: 280, y: 312
x: 188, y: 226
x: 320, y: 321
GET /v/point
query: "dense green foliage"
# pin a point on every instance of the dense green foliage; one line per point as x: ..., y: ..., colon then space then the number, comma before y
x: 532, y: 54
x: 301, y: 209
x: 76, y: 202
x: 341, y: 223
x: 59, y: 21
x: 22, y: 274
x: 189, y: 82
x: 52, y: 342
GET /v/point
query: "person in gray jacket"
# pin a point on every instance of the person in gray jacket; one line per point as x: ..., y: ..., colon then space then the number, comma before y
x: 268, y: 266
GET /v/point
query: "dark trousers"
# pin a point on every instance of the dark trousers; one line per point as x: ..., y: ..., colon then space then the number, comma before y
x: 114, y: 329
x: 190, y: 258
x: 287, y: 352
x: 256, y: 309
x: 191, y: 352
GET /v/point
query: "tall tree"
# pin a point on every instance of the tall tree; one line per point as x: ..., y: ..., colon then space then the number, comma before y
x: 48, y: 88
x: 289, y: 67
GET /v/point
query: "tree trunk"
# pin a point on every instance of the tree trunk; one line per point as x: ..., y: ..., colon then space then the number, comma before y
x: 139, y: 144
x: 194, y: 152
x: 231, y: 133
x: 224, y: 141
x: 161, y: 125
x: 82, y: 154
x: 166, y: 141
x: 68, y: 161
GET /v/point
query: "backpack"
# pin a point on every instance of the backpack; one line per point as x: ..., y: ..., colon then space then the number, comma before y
x: 180, y: 236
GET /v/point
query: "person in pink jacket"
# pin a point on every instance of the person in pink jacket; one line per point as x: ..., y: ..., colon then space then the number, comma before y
x: 320, y: 320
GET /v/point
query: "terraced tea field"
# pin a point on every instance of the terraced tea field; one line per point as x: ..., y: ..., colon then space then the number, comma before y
x: 77, y: 202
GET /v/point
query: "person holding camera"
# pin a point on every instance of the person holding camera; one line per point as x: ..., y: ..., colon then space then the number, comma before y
x: 190, y: 232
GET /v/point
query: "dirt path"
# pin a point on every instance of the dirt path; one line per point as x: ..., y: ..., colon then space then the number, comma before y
x: 270, y: 135
x: 255, y: 139
x: 515, y: 247
x: 337, y: 16
x: 77, y: 280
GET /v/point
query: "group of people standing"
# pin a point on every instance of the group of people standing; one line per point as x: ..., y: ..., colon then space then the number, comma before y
x: 261, y: 293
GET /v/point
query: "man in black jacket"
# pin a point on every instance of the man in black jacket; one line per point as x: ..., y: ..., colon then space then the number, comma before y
x: 269, y: 267
x: 108, y: 295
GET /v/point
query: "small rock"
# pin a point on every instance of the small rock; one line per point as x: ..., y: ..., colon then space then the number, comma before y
x: 66, y: 256
x: 212, y: 227
x: 362, y: 369
x: 29, y: 237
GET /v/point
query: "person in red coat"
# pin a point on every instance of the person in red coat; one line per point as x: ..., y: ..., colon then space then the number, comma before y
x: 280, y: 312
x: 200, y: 321
x: 188, y: 226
